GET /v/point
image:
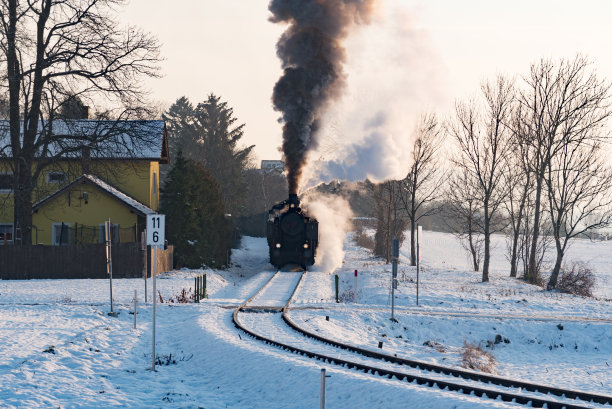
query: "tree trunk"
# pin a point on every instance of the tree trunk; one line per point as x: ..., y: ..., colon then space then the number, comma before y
x: 514, y: 254
x: 22, y: 208
x: 532, y: 273
x: 487, y: 244
x: 552, y: 281
x: 473, y: 251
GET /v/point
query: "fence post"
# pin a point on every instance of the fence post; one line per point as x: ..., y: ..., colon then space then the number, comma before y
x: 204, y: 286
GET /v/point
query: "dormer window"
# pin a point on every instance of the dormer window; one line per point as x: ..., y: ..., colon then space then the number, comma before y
x: 56, y: 177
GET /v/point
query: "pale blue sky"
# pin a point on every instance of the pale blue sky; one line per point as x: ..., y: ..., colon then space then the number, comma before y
x: 228, y: 47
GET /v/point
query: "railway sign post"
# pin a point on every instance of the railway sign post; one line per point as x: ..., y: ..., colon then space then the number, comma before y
x: 394, y: 257
x: 156, y: 232
x: 418, y: 245
x: 143, y: 251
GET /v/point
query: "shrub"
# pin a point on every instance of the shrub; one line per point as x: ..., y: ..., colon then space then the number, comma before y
x: 474, y: 357
x: 578, y: 280
x: 363, y: 240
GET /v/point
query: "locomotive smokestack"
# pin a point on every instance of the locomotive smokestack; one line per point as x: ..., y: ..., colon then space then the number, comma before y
x: 293, y: 200
x: 312, y: 55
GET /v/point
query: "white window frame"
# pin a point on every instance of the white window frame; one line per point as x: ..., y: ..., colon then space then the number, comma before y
x: 12, y: 233
x: 114, y: 232
x: 49, y: 181
x: 9, y: 190
x: 56, y: 226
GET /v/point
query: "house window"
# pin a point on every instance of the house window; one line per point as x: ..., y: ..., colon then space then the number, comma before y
x: 6, y: 233
x: 56, y: 177
x: 6, y: 182
x: 114, y: 234
x: 154, y: 183
x: 61, y: 234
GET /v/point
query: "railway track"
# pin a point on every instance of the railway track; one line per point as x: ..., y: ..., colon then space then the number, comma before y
x: 274, y: 298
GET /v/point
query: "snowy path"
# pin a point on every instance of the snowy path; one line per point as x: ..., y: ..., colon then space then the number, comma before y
x: 278, y: 291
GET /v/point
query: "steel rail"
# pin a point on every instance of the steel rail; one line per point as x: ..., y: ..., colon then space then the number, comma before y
x: 486, y: 378
x: 410, y: 378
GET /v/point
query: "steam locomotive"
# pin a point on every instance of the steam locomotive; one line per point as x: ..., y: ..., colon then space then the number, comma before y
x: 292, y: 236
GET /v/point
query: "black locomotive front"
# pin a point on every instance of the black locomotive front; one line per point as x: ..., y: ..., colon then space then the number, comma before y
x: 292, y: 236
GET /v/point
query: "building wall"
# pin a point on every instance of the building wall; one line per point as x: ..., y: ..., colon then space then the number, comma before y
x: 138, y: 179
x: 72, y: 208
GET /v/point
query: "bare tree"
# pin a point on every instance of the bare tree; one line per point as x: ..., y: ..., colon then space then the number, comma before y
x: 518, y: 185
x: 579, y: 186
x: 484, y: 144
x: 463, y: 213
x: 562, y: 104
x: 53, y: 49
x: 391, y: 220
x: 422, y: 184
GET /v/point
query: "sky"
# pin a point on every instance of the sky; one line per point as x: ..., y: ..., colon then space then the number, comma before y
x: 416, y: 56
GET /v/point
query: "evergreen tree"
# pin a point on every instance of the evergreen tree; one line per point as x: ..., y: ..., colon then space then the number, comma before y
x: 201, y: 234
x: 209, y: 135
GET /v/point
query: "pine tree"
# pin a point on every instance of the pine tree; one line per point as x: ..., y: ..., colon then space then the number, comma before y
x: 209, y: 135
x: 191, y: 200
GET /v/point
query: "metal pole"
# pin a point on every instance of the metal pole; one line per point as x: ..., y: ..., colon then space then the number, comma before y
x: 109, y: 261
x: 418, y: 265
x: 135, y: 307
x: 395, y: 256
x: 143, y: 249
x: 154, y: 249
x: 337, y: 279
x: 355, y: 287
x: 323, y: 388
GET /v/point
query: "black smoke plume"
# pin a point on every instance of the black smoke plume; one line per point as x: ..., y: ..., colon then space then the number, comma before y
x: 312, y: 56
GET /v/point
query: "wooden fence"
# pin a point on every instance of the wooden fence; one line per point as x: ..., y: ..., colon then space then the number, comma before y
x: 75, y: 261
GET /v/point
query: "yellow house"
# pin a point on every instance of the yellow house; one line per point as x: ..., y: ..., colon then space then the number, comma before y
x: 117, y: 178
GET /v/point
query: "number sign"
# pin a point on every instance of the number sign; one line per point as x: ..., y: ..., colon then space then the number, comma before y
x: 156, y: 224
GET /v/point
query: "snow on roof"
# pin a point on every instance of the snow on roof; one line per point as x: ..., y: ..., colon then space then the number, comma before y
x: 106, y: 139
x: 107, y: 188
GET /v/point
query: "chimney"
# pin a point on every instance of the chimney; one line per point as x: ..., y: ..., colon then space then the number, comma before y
x: 85, y: 160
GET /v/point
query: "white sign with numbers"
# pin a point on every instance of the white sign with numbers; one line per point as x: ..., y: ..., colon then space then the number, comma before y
x: 156, y: 224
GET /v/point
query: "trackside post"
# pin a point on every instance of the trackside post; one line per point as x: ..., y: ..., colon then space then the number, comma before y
x: 395, y: 257
x: 143, y: 252
x: 109, y: 262
x: 418, y: 245
x: 156, y: 224
x: 323, y: 387
x: 355, y: 287
x: 337, y: 279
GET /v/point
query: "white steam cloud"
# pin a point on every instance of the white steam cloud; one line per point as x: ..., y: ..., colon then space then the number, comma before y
x: 393, y: 78
x: 334, y: 216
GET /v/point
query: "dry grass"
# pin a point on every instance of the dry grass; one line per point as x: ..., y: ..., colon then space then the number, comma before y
x: 474, y: 357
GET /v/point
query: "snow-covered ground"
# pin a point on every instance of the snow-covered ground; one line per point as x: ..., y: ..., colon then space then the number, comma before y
x: 59, y: 348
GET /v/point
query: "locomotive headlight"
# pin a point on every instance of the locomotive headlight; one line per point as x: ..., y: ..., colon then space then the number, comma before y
x: 278, y: 245
x: 305, y: 245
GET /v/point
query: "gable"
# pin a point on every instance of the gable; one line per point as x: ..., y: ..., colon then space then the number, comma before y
x: 105, y: 188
